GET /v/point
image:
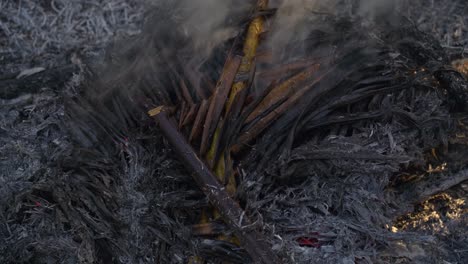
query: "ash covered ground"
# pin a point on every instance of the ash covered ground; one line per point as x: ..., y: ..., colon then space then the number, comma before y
x: 96, y: 188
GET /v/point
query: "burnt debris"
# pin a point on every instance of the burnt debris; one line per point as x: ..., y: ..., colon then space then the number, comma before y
x: 301, y: 139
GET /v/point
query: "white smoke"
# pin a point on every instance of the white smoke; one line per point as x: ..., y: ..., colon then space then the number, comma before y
x: 375, y: 8
x: 295, y: 19
x: 211, y: 22
x: 292, y: 21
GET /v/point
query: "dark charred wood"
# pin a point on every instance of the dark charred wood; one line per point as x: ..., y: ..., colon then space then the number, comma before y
x: 190, y: 115
x: 198, y: 123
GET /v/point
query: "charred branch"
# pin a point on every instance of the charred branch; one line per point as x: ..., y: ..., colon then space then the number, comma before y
x: 251, y: 240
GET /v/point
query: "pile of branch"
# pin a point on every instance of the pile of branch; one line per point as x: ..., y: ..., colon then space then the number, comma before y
x: 306, y: 100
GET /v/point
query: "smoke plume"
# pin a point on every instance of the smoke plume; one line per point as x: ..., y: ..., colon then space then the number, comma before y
x: 211, y: 22
x: 296, y: 19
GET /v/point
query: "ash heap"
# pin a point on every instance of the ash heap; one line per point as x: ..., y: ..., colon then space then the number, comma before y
x: 252, y: 132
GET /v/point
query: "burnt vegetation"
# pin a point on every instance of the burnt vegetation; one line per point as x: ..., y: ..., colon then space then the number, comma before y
x: 314, y: 147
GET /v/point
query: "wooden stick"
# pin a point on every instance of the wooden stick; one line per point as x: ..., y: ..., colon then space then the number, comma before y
x: 247, y: 68
x: 218, y: 99
x: 287, y: 68
x: 189, y: 117
x: 282, y: 91
x: 252, y: 241
x: 264, y: 122
x: 198, y: 123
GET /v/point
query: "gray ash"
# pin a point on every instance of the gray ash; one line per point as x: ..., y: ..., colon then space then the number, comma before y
x: 88, y: 177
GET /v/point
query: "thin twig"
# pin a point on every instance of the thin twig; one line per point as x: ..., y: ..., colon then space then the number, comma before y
x: 198, y: 123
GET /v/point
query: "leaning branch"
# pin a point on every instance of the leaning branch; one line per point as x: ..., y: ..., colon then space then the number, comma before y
x: 251, y: 240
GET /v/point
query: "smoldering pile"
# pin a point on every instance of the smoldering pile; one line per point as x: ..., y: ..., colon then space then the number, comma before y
x: 336, y: 108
